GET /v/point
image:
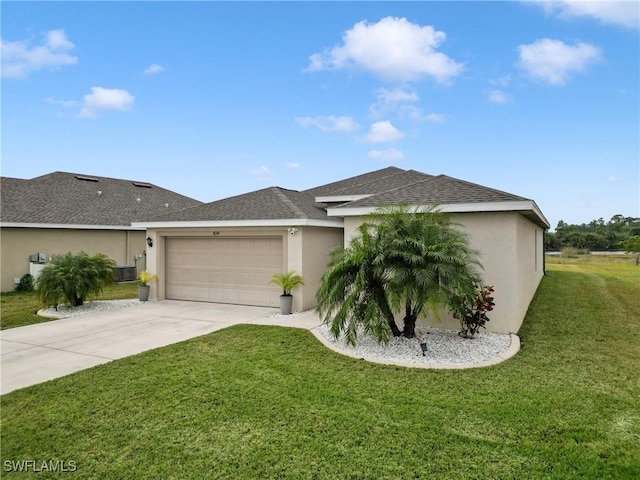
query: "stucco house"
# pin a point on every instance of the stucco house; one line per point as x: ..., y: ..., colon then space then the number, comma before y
x: 62, y: 212
x: 226, y: 251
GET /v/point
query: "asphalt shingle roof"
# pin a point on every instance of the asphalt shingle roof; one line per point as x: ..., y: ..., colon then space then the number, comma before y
x: 384, y: 184
x: 77, y: 199
x: 387, y: 186
x: 435, y: 190
x: 272, y: 203
x: 354, y: 182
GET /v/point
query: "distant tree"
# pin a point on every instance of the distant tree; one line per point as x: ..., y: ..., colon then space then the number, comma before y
x: 72, y: 278
x: 595, y: 235
x: 632, y: 245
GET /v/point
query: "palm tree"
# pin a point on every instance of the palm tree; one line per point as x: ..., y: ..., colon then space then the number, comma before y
x: 353, y: 290
x: 287, y: 281
x: 411, y: 260
x: 74, y: 278
x: 429, y: 259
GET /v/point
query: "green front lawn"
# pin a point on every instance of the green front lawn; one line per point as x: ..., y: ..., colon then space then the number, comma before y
x: 19, y: 308
x: 268, y: 402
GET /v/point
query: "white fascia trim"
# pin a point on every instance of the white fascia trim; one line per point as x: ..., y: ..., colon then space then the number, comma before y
x: 540, y: 215
x: 292, y: 222
x: 67, y: 226
x: 340, y: 198
x: 516, y: 205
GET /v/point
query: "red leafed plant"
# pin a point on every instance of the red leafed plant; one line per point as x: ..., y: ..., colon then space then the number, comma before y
x: 473, y: 314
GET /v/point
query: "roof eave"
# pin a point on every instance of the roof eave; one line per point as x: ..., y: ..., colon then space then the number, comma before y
x: 68, y: 226
x: 508, y: 206
x: 285, y: 222
x: 340, y: 198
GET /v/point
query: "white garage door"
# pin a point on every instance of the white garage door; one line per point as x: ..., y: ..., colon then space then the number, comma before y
x: 225, y: 270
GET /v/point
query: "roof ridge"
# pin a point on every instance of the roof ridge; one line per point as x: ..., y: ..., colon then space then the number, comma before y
x: 99, y: 177
x: 391, y: 175
x: 288, y: 202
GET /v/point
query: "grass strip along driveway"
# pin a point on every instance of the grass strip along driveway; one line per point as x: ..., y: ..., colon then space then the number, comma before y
x: 19, y: 308
x: 269, y: 402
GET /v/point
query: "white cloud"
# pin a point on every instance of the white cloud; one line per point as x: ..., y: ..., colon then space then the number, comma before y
x: 153, y: 69
x: 625, y: 13
x: 614, y: 179
x: 498, y: 96
x: 397, y: 95
x: 20, y: 58
x: 393, y: 48
x: 61, y: 103
x: 292, y: 165
x: 390, y: 100
x: 435, y: 117
x: 383, y: 132
x: 416, y: 114
x: 260, y: 172
x: 502, y: 81
x: 105, y: 99
x: 389, y: 155
x: 552, y: 61
x: 329, y: 123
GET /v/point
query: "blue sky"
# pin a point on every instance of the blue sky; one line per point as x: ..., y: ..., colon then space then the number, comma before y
x: 213, y: 99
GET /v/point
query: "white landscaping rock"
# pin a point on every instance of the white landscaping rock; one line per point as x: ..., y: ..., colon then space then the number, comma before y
x: 65, y: 311
x: 444, y: 348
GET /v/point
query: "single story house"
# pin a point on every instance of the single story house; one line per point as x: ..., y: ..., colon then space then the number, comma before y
x: 66, y: 212
x: 227, y: 250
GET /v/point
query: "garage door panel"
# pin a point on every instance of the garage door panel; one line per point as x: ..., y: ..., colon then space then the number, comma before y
x: 226, y: 270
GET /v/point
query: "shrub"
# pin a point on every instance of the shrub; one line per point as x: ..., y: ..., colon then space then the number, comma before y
x: 573, y: 252
x: 73, y: 278
x: 472, y: 315
x: 632, y: 245
x: 26, y: 283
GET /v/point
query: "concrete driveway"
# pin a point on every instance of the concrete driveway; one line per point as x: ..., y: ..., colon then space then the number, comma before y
x: 37, y: 353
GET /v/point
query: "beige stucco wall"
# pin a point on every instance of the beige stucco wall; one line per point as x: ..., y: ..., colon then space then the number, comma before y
x: 17, y: 244
x: 511, y: 251
x: 306, y: 252
x: 316, y: 245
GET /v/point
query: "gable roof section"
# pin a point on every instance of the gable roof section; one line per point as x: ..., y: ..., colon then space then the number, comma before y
x: 363, y: 190
x: 436, y: 190
x: 267, y: 207
x: 65, y: 200
x: 450, y: 194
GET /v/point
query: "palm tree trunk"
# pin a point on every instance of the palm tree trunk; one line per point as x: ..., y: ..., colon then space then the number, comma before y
x: 410, y: 318
x: 388, y: 314
x: 392, y: 324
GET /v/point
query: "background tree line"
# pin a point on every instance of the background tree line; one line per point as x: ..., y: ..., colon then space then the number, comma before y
x: 596, y: 235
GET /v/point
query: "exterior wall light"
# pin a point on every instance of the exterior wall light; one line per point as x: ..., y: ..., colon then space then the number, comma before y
x: 150, y: 241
